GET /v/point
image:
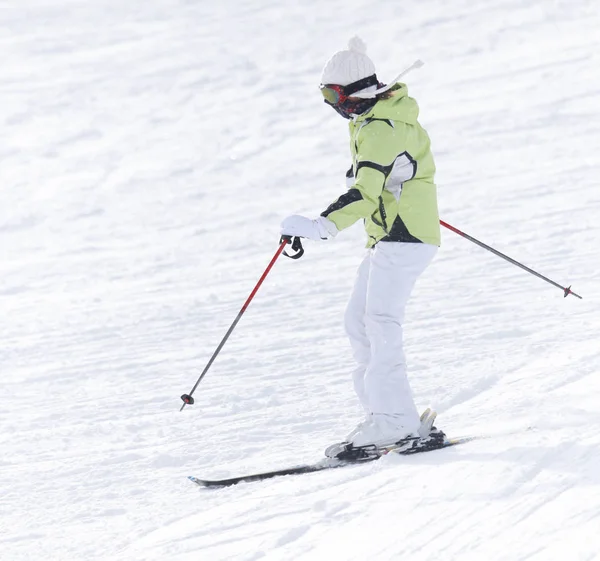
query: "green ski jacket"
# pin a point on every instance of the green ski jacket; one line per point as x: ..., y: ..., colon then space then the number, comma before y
x: 393, y: 172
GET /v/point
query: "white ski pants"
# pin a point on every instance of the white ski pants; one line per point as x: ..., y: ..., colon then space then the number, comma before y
x: 373, y: 321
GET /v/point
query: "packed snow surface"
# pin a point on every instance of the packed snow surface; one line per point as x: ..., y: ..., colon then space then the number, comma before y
x: 148, y: 152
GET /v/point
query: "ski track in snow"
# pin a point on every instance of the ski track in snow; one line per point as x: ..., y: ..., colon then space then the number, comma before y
x: 149, y: 151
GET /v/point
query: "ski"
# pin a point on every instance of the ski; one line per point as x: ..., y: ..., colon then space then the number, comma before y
x: 325, y: 463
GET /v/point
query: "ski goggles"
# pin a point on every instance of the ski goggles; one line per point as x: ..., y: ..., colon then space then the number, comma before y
x: 335, y: 95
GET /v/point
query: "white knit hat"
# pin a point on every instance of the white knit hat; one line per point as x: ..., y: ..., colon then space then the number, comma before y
x: 353, y: 64
x: 349, y: 66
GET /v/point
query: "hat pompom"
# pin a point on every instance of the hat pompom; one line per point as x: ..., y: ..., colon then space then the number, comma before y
x: 357, y: 45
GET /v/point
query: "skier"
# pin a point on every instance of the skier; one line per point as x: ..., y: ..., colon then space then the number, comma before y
x: 391, y: 187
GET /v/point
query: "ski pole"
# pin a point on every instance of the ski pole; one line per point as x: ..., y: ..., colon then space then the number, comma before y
x: 297, y: 247
x: 566, y: 291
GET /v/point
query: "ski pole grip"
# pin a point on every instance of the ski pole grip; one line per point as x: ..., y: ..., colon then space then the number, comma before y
x: 296, y: 244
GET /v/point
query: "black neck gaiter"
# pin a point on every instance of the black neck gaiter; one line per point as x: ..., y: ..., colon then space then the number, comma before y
x: 350, y: 108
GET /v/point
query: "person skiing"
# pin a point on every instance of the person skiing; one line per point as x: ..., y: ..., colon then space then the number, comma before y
x: 391, y: 187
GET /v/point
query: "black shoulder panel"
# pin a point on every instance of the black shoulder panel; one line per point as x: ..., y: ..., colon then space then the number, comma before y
x: 367, y: 164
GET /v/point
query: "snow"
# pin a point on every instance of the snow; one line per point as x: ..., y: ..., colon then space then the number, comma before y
x: 148, y: 152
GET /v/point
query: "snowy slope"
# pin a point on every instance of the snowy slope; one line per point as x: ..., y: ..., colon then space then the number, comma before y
x: 148, y: 153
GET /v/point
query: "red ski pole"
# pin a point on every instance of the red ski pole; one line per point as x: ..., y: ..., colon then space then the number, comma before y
x: 566, y: 291
x: 297, y: 247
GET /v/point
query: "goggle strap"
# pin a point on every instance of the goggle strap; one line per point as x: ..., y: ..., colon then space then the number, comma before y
x: 360, y: 85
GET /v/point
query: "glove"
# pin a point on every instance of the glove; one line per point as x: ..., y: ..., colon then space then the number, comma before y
x: 318, y: 229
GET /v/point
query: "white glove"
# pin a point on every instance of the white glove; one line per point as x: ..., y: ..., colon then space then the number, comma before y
x: 318, y: 229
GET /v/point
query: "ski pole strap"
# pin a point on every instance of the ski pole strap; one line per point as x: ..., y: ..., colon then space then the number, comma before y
x: 296, y: 247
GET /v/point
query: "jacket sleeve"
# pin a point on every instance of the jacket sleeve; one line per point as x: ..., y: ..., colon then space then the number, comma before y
x: 376, y: 150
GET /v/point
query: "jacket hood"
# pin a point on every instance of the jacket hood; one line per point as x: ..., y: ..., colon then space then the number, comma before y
x: 398, y: 107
